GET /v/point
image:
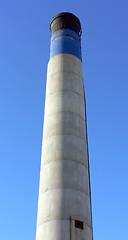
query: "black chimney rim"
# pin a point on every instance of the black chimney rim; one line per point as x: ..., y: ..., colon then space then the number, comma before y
x: 65, y: 20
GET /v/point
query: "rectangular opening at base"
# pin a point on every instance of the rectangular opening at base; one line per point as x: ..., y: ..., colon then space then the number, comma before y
x: 79, y: 224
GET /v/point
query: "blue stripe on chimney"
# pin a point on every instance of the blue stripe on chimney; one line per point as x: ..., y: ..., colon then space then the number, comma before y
x: 65, y: 41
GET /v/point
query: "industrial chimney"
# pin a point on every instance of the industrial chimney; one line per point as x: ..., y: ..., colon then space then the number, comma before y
x: 64, y: 204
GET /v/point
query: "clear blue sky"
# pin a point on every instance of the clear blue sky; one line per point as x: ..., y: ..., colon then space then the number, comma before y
x: 24, y: 53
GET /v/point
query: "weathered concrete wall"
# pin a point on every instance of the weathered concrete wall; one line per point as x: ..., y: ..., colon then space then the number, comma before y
x: 64, y: 190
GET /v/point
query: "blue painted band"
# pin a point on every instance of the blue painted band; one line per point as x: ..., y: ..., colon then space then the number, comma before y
x: 65, y: 41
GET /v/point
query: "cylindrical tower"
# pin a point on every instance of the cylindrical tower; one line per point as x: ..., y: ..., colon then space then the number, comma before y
x: 64, y: 204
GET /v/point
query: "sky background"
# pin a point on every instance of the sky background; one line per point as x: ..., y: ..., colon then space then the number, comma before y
x: 24, y: 54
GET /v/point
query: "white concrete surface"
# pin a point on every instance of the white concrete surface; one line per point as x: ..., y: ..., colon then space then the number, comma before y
x: 64, y: 189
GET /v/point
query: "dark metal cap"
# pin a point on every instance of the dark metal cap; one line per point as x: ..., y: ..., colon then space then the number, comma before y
x: 65, y: 20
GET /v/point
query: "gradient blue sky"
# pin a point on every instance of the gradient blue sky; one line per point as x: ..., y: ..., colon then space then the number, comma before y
x: 24, y: 53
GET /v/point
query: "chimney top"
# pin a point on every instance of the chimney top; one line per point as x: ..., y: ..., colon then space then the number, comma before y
x: 65, y: 20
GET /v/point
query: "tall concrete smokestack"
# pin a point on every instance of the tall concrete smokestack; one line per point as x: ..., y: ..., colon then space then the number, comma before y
x: 64, y: 205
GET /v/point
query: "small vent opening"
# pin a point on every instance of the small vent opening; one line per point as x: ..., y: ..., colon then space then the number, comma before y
x: 79, y: 224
